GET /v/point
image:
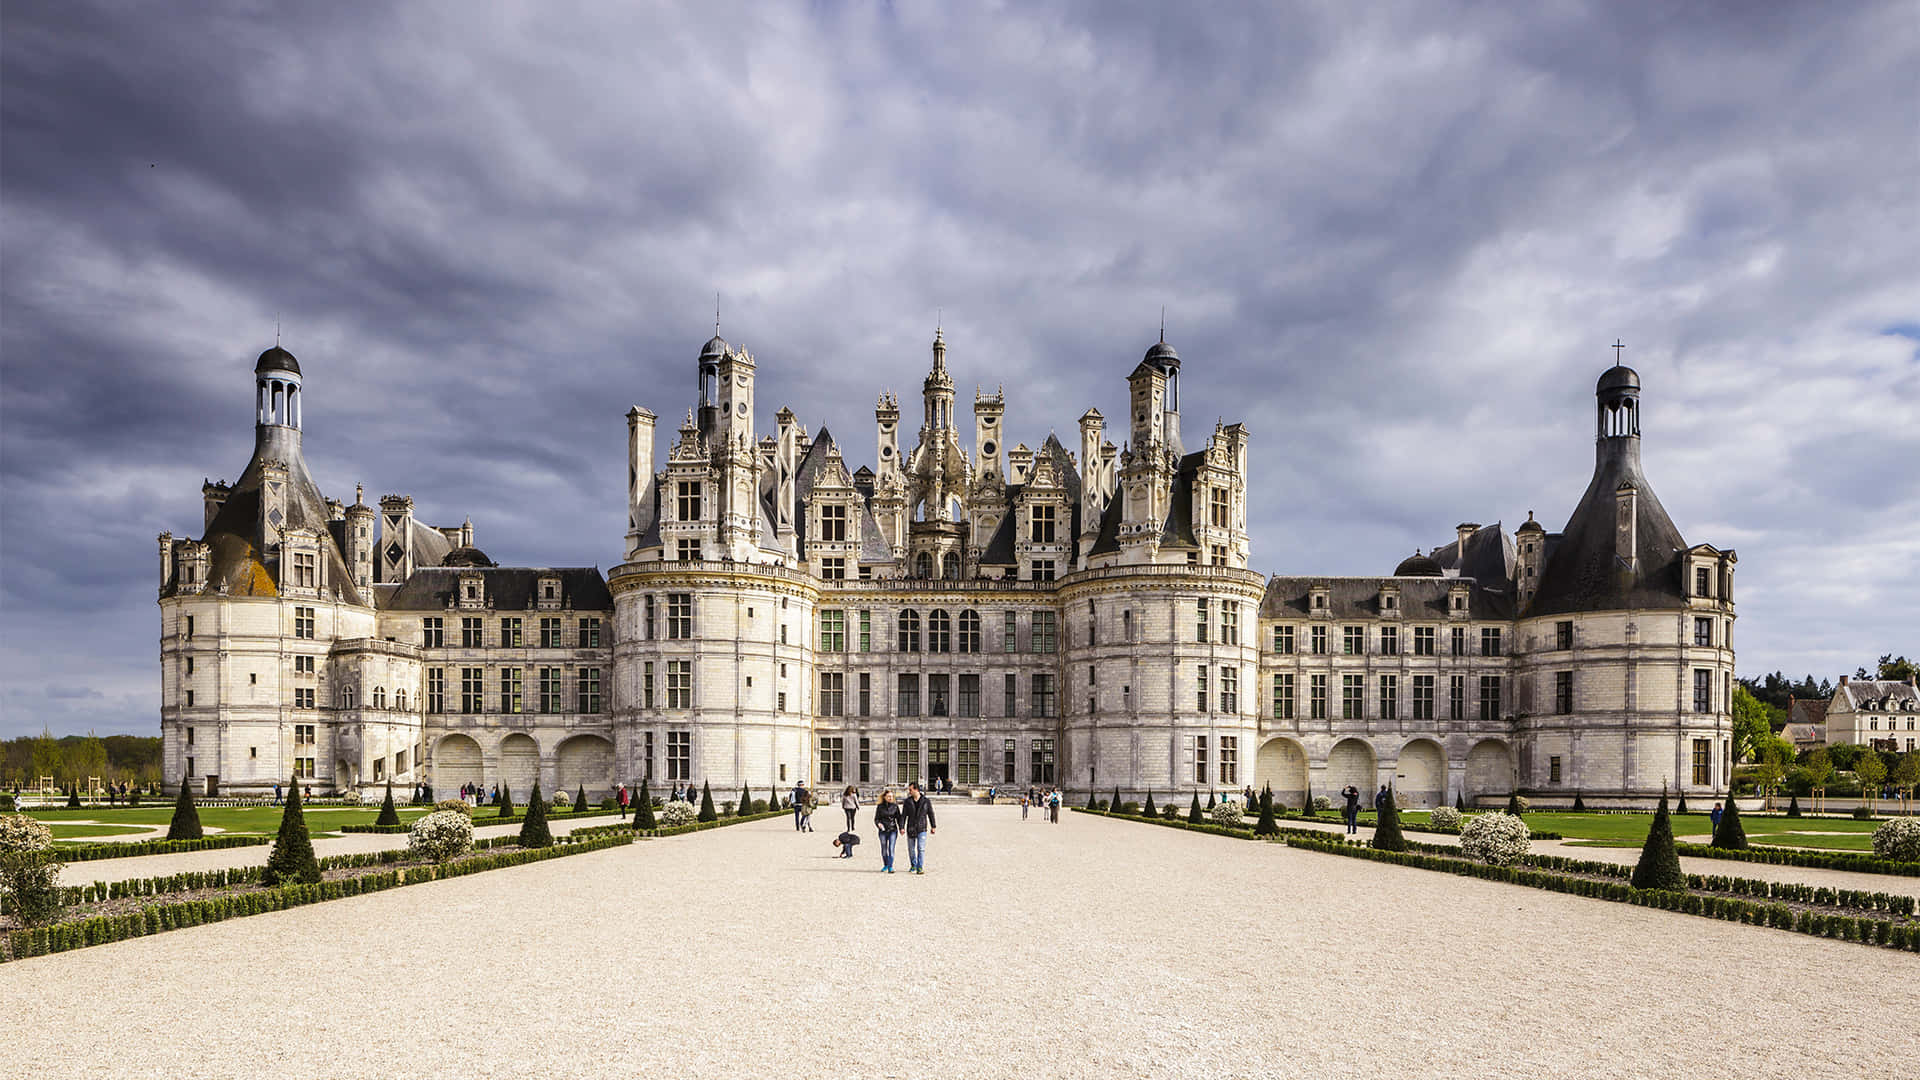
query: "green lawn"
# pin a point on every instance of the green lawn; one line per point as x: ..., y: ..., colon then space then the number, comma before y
x: 69, y: 832
x: 1850, y: 842
x: 1630, y: 830
x: 263, y: 820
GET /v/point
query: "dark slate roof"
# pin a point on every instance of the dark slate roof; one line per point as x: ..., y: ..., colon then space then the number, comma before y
x: 1177, y: 533
x: 1359, y: 598
x: 1806, y: 712
x: 1417, y: 565
x: 1109, y: 537
x: 1878, y: 695
x: 806, y: 474
x: 999, y: 549
x: 235, y: 561
x: 1582, y: 572
x: 1490, y: 555
x: 509, y: 588
x: 467, y: 557
x: 276, y: 359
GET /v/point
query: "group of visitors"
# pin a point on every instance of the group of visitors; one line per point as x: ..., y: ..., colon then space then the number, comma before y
x: 912, y: 817
x: 477, y: 795
x: 1351, y: 811
x: 1048, y: 800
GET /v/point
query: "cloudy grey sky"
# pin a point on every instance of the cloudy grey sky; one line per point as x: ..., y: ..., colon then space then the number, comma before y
x: 1394, y: 239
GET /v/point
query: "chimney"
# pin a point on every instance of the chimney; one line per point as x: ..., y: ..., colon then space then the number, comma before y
x: 1843, y: 680
x: 1626, y: 516
x: 1462, y: 531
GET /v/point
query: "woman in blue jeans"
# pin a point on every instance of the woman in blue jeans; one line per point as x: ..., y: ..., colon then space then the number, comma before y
x: 887, y: 818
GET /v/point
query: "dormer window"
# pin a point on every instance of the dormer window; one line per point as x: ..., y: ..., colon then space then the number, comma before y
x: 1702, y: 581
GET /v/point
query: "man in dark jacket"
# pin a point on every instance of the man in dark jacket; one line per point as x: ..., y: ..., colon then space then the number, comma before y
x: 799, y: 804
x: 918, y: 814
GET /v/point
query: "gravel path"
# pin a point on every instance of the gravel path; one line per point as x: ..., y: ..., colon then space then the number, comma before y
x: 1094, y: 948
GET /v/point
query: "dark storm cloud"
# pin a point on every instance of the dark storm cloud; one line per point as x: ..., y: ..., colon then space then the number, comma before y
x: 1393, y: 239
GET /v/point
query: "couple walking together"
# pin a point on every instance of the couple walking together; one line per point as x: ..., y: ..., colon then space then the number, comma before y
x: 913, y: 816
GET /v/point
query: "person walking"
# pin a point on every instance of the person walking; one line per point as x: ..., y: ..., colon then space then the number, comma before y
x: 1716, y: 817
x: 1352, y: 808
x: 917, y: 814
x: 1380, y: 799
x: 1053, y: 806
x: 809, y: 805
x: 798, y: 800
x: 1023, y: 808
x: 850, y: 802
x: 886, y: 818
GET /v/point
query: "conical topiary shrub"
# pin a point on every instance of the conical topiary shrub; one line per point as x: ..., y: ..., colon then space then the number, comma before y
x: 1114, y: 804
x: 1681, y: 808
x: 1659, y: 865
x: 1579, y: 804
x: 1092, y: 803
x: 1149, y: 810
x: 186, y: 816
x: 1193, y: 812
x: 1514, y: 806
x: 292, y: 859
x: 1209, y: 801
x: 73, y: 796
x: 706, y: 804
x: 1793, y: 805
x: 1386, y: 830
x: 1306, y: 806
x: 388, y: 815
x: 1266, y: 826
x: 533, y: 827
x: 1730, y: 833
x: 1460, y: 803
x: 746, y: 803
x: 643, y: 810
x: 506, y: 801
x: 580, y: 798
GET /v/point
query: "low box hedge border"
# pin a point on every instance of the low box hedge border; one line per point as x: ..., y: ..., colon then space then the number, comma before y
x: 1812, y: 860
x: 137, y: 848
x: 699, y: 826
x: 1862, y: 929
x: 156, y: 918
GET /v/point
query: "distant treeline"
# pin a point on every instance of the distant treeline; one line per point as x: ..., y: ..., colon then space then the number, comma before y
x: 74, y: 758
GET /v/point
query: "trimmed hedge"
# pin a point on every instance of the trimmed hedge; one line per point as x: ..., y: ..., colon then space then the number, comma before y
x: 1811, y: 860
x: 90, y: 852
x: 161, y: 917
x: 698, y: 826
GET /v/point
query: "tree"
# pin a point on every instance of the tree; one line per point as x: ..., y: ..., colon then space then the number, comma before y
x: 533, y: 828
x: 746, y: 803
x: 1193, y: 812
x: 706, y: 804
x: 1682, y: 807
x: 1819, y: 768
x: 292, y: 859
x: 1659, y: 865
x: 1306, y: 805
x: 1906, y: 775
x: 1266, y: 826
x: 580, y: 798
x: 1149, y: 810
x: 1896, y: 668
x: 1729, y: 833
x: 1114, y: 806
x: 1093, y: 802
x: 643, y: 810
x: 186, y: 817
x: 1460, y: 802
x: 1579, y: 804
x: 388, y: 815
x: 1872, y: 772
x: 1386, y: 829
x: 1209, y: 801
x: 48, y: 758
x: 1513, y: 805
x: 506, y: 800
x: 73, y: 796
x: 1793, y: 806
x: 1752, y: 724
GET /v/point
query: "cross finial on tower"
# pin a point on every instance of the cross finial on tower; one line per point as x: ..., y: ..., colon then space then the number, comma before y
x: 276, y: 331
x: 1616, y: 351
x: 1163, y: 324
x: 716, y: 314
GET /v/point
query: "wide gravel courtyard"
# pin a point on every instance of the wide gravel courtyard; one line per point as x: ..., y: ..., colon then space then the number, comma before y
x: 1094, y: 948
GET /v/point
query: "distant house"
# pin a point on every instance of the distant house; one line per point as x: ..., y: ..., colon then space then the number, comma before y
x: 1806, y: 724
x: 1875, y: 712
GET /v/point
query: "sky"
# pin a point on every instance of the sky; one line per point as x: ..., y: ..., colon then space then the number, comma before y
x: 1396, y: 240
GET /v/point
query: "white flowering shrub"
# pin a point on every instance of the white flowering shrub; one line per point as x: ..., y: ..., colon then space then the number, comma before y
x: 561, y: 798
x: 1321, y: 802
x: 440, y: 836
x: 1227, y: 814
x: 678, y: 813
x: 458, y: 806
x: 20, y: 833
x: 1500, y: 839
x: 1445, y: 818
x: 28, y: 871
x: 1898, y: 840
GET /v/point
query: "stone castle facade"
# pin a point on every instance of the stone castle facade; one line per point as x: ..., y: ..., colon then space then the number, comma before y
x: 991, y: 616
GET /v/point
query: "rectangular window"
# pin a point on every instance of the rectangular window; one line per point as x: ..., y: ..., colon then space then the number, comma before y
x: 1563, y: 692
x: 679, y: 616
x: 303, y: 697
x: 589, y: 633
x: 966, y: 762
x: 510, y: 633
x: 679, y: 684
x: 1283, y: 697
x: 1042, y: 521
x: 939, y: 761
x: 1702, y: 690
x: 646, y: 631
x: 471, y: 634
x: 1457, y: 697
x: 906, y: 761
x: 1045, y: 637
x: 1010, y: 700
x: 1045, y: 702
x: 833, y: 758
x: 1203, y: 619
x: 1126, y: 625
x: 1423, y: 697
x: 1229, y: 759
x: 1200, y: 688
x: 1423, y: 641
x: 1217, y: 507
x: 679, y: 755
x: 550, y: 637
x: 1389, y: 641
x: 1317, y: 696
x: 1229, y: 623
x: 303, y: 569
x: 1200, y: 760
x: 470, y: 690
x: 1353, y: 696
x: 1458, y: 641
x: 1283, y: 640
x: 833, y: 524
x: 1703, y: 632
x: 433, y: 633
x: 866, y: 693
x: 646, y: 686
x: 1010, y: 634
x: 1489, y: 641
x: 1702, y: 749
x: 1229, y: 689
x: 866, y: 631
x: 1353, y: 641
x: 907, y: 626
x: 969, y: 636
x: 1489, y: 698
x: 1563, y: 635
x: 188, y: 633
x: 970, y: 695
x: 906, y: 695
x: 1702, y: 582
x: 303, y: 622
x: 833, y: 569
x: 436, y: 690
x: 302, y: 665
x: 1389, y: 697
x: 833, y: 631
x: 1040, y: 756
x: 866, y: 760
x: 510, y: 690
x: 550, y: 691
x: 939, y: 631
x: 587, y: 690
x: 938, y: 687
x: 303, y: 734
x: 1553, y: 769
x: 687, y: 501
x: 1043, y: 569
x: 1320, y: 641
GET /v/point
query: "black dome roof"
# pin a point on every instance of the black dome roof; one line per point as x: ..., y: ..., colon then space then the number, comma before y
x: 715, y: 347
x: 276, y: 359
x: 1417, y: 565
x: 467, y: 556
x: 1617, y: 377
x: 1162, y: 354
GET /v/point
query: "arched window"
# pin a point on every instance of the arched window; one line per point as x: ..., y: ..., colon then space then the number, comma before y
x: 950, y: 566
x: 939, y: 631
x: 346, y: 697
x: 923, y: 566
x: 400, y: 699
x: 909, y: 631
x: 379, y: 697
x: 969, y: 631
